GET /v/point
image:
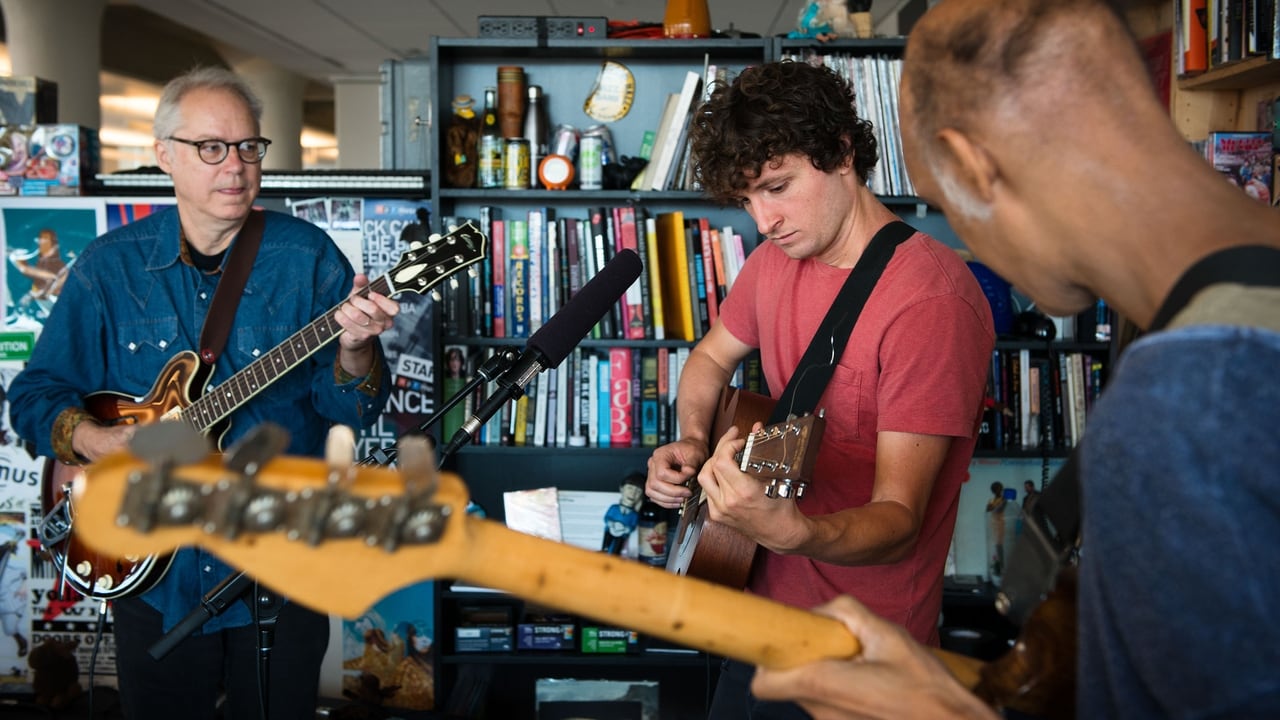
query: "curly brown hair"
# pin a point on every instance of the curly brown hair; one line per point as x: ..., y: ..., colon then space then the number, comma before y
x: 772, y: 110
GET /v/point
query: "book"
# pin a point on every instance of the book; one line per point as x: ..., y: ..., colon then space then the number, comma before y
x: 498, y: 276
x: 697, y: 288
x: 518, y: 277
x: 1244, y: 159
x: 536, y: 284
x: 643, y: 180
x: 710, y: 286
x: 673, y: 138
x: 653, y: 270
x: 620, y: 397
x: 633, y: 299
x: 649, y: 399
x: 677, y: 300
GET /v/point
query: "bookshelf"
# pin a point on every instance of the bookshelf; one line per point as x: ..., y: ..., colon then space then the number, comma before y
x: 566, y: 71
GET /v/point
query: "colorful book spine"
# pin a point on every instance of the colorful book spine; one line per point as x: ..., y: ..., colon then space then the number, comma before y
x: 518, y: 277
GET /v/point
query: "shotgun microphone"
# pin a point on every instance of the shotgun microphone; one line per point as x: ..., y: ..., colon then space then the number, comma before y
x: 557, y: 337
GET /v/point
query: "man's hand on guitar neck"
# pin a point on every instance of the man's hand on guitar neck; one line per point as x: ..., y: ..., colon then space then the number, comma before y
x: 738, y: 500
x: 363, y: 317
x: 893, y: 677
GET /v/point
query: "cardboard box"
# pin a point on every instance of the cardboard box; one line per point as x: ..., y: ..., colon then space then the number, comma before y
x: 14, y: 146
x: 545, y: 636
x: 60, y: 160
x: 490, y: 638
x: 26, y: 100
x: 609, y: 640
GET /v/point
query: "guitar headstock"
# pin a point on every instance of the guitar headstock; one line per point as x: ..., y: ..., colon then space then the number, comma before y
x: 783, y: 454
x: 285, y: 520
x: 422, y: 267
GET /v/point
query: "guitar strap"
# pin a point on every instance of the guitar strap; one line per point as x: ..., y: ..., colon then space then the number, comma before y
x: 235, y: 273
x: 1053, y: 528
x: 818, y: 363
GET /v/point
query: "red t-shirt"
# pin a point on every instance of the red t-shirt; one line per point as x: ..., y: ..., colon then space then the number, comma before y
x: 917, y: 362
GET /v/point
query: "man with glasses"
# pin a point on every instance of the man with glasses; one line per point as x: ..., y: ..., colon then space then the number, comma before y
x: 140, y: 294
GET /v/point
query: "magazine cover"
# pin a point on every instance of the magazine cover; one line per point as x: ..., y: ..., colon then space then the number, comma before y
x: 1244, y: 159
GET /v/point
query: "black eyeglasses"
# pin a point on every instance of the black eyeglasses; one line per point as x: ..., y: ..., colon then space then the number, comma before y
x: 212, y: 152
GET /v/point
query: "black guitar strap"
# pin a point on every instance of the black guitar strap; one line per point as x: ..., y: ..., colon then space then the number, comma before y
x: 1054, y: 527
x: 818, y: 363
x: 235, y: 273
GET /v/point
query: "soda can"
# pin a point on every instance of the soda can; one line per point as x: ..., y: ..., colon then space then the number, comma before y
x: 490, y: 175
x: 564, y: 141
x: 515, y: 164
x: 607, y: 156
x: 590, y: 168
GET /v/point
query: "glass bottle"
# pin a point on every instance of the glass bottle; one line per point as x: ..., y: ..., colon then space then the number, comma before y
x: 652, y: 531
x: 490, y: 143
x: 535, y: 131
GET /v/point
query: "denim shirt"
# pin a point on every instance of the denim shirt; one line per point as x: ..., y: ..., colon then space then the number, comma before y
x: 130, y: 304
x: 1179, y: 578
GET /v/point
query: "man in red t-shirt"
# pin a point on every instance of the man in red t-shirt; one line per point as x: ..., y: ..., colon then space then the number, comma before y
x: 905, y: 400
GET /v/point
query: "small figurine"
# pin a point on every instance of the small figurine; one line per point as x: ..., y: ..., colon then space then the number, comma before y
x: 826, y: 20
x: 622, y: 517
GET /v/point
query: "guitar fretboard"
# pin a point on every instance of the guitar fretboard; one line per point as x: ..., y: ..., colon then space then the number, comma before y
x: 417, y: 271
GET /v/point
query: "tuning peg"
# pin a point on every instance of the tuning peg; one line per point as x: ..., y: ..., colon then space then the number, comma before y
x: 165, y: 444
x: 417, y: 462
x: 338, y: 452
x: 434, y: 238
x: 453, y: 282
x: 472, y: 272
x: 256, y: 448
x: 436, y: 295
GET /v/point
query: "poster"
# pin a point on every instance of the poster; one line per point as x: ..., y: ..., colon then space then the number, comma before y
x: 41, y: 238
x: 387, y: 651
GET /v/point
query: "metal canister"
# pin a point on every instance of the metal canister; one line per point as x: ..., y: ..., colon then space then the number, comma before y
x: 590, y: 167
x: 515, y: 164
x: 607, y: 155
x: 490, y: 175
x: 564, y: 141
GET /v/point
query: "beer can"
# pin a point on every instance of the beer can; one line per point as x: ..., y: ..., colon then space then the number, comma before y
x: 607, y: 156
x: 490, y: 175
x: 564, y: 141
x: 590, y: 168
x: 515, y: 164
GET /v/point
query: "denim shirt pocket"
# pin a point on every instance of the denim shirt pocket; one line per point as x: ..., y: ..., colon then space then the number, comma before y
x: 143, y: 346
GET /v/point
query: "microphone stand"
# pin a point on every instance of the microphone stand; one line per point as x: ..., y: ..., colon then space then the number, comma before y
x: 495, y: 366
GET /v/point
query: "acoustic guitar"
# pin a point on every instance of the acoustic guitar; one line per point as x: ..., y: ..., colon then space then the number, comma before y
x: 780, y: 455
x: 298, y: 525
x: 179, y: 394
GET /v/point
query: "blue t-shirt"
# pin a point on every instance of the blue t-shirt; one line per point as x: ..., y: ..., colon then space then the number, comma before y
x: 130, y: 304
x: 1180, y: 571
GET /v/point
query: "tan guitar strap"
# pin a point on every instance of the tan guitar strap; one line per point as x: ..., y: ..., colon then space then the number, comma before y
x: 818, y: 363
x: 235, y: 273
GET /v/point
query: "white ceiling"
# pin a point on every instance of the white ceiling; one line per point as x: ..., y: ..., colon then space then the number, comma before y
x: 323, y: 39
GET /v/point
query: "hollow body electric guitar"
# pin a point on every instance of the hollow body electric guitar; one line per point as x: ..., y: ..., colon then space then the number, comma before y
x: 781, y: 455
x: 179, y: 395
